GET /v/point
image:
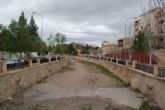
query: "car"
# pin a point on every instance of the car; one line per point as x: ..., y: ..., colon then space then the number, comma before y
x: 14, y: 62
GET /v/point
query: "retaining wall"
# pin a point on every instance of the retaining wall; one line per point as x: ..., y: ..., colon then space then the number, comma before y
x: 148, y: 84
x: 15, y: 81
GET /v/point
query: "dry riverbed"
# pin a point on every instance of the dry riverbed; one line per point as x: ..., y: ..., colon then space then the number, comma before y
x: 77, y: 86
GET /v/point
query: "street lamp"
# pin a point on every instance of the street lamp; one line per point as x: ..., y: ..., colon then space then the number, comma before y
x: 126, y: 30
x: 41, y: 27
x: 126, y: 24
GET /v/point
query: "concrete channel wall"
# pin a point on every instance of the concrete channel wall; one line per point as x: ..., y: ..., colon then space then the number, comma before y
x: 149, y: 84
x: 15, y: 81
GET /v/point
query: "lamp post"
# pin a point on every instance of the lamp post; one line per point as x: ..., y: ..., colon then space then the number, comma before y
x: 126, y: 24
x: 1, y: 27
x: 41, y: 28
x: 126, y: 21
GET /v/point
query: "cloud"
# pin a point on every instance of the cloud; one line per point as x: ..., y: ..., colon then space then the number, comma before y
x: 81, y: 20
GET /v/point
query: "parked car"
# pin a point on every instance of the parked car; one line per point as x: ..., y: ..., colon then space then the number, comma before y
x: 15, y: 63
x: 14, y: 60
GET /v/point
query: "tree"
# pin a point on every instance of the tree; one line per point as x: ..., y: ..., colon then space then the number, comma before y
x: 63, y: 39
x: 58, y: 40
x: 140, y: 42
x: 51, y: 40
x: 33, y: 28
x: 67, y: 49
x: 23, y: 40
x: 6, y: 41
x: 85, y: 50
x: 13, y: 29
x: 20, y: 37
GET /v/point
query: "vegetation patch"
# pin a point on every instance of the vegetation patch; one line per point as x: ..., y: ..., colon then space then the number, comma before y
x: 17, y: 104
x: 145, y: 106
x: 66, y: 68
x: 87, y: 107
x: 38, y: 107
x: 103, y: 70
x: 42, y: 81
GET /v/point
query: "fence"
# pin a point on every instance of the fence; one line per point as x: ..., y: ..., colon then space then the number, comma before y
x: 16, y: 64
x: 44, y: 60
x: 145, y: 67
x: 122, y: 62
x: 151, y: 69
x: 162, y: 72
x: 53, y: 59
x: 114, y: 60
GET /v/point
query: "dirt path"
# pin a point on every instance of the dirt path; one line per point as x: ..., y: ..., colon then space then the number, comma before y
x: 72, y: 89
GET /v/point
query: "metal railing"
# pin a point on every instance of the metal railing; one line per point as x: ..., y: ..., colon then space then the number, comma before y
x: 139, y: 66
x: 145, y: 67
x: 18, y: 65
x: 122, y: 62
x: 162, y: 71
x: 44, y: 60
x: 14, y: 65
x: 114, y: 60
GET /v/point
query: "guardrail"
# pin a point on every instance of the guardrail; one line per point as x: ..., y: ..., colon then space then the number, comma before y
x: 151, y: 69
x: 15, y: 65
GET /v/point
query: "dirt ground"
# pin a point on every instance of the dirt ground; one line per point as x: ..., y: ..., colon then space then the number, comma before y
x: 80, y: 88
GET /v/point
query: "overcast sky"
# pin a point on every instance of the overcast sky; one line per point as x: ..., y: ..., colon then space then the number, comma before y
x: 89, y: 21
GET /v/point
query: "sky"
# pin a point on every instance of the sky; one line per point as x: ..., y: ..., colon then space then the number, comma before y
x: 83, y: 21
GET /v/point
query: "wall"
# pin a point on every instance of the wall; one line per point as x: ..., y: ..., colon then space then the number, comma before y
x: 15, y: 81
x: 148, y: 84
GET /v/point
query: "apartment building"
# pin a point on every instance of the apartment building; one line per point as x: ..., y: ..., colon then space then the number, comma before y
x: 108, y: 47
x: 125, y: 43
x: 153, y: 23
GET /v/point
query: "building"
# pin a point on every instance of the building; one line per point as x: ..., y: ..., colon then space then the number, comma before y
x: 137, y: 26
x: 108, y: 48
x: 152, y: 22
x: 125, y: 43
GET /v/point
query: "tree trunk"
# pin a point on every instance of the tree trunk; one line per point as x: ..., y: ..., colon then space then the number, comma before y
x: 10, y: 55
x: 2, y: 56
x: 150, y: 58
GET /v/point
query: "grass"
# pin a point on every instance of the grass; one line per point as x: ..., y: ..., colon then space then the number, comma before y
x: 104, y: 71
x: 17, y: 104
x: 87, y: 107
x: 66, y: 68
x: 38, y: 107
x: 145, y: 106
x: 62, y: 70
x: 42, y: 81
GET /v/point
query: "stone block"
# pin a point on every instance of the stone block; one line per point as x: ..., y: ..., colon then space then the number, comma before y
x: 38, y: 60
x: 30, y: 63
x: 3, y: 66
x: 156, y: 70
x: 134, y: 64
